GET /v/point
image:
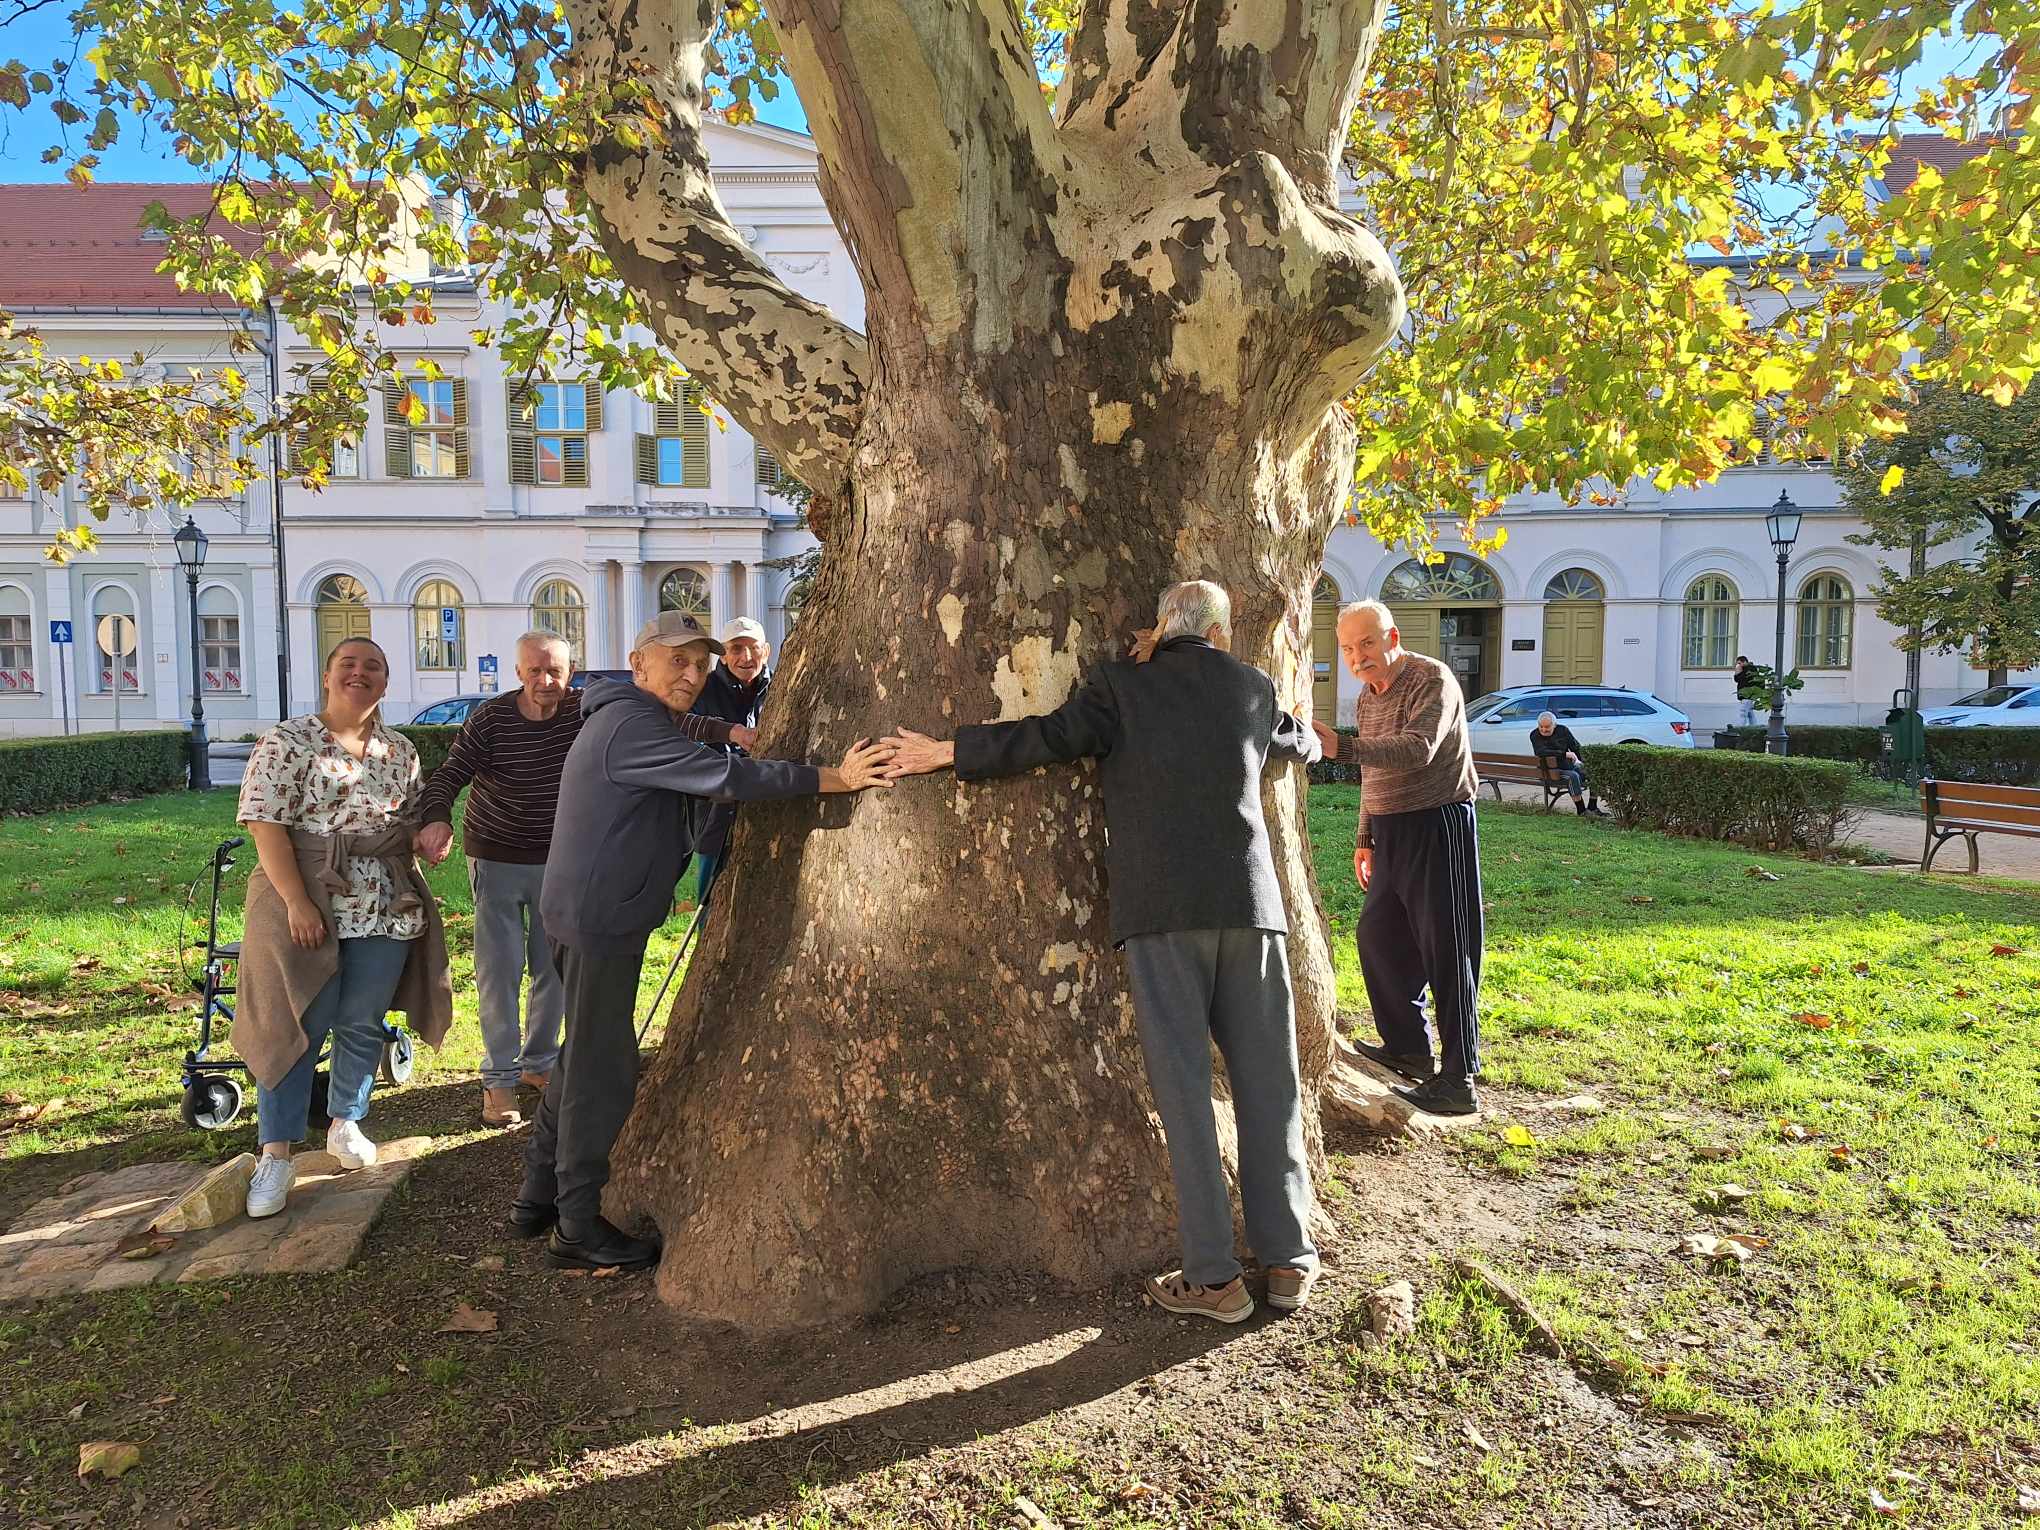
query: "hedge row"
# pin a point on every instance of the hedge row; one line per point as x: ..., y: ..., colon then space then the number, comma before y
x: 1325, y: 772
x: 37, y: 774
x: 1755, y: 799
x: 2006, y: 756
x: 432, y: 743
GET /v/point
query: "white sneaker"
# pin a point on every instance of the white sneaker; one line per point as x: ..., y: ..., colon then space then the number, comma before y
x: 270, y: 1187
x: 345, y: 1142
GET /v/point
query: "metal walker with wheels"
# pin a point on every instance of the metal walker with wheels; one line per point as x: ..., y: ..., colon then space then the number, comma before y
x: 213, y: 1095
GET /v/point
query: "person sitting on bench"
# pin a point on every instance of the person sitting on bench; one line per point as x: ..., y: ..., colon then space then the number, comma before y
x: 1553, y: 741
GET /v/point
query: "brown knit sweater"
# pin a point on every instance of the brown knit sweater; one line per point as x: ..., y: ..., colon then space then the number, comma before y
x: 1411, y: 744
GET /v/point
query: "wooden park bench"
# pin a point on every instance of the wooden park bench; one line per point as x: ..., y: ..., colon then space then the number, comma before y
x: 1494, y: 769
x: 1961, y: 808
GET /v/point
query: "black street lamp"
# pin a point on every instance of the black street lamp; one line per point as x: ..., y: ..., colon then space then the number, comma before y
x: 1783, y: 525
x: 191, y: 544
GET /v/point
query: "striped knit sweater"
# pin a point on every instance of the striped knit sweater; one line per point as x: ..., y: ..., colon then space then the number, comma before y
x: 1410, y: 743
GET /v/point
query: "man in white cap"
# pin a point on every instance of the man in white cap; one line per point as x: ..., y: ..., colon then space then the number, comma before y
x: 730, y: 700
x: 634, y: 796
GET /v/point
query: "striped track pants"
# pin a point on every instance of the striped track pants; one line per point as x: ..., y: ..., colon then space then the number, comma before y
x: 1422, y: 928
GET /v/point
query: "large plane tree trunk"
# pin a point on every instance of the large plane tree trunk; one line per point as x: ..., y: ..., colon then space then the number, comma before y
x: 1107, y: 352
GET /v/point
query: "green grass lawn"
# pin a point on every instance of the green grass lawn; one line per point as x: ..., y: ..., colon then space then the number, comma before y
x: 1854, y: 1050
x: 99, y: 923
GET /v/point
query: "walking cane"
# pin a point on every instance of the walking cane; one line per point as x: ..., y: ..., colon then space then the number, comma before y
x: 678, y: 956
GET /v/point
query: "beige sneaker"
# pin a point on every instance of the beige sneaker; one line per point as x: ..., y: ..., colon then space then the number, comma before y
x: 499, y: 1108
x: 1228, y: 1303
x: 1288, y: 1287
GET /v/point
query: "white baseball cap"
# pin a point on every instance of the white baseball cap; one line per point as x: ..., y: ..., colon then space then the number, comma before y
x: 742, y: 627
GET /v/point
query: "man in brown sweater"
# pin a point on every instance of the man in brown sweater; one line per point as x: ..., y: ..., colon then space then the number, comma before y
x: 1418, y: 859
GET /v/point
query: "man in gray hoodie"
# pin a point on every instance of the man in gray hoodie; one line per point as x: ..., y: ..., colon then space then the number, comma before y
x: 635, y: 795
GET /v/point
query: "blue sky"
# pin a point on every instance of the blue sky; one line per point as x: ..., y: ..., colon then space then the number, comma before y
x: 42, y: 35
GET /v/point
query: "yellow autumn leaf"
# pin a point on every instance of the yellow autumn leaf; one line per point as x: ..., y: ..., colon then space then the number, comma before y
x: 1519, y: 1136
x: 1893, y: 477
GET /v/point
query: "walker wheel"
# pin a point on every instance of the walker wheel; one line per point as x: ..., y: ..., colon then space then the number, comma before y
x: 211, y: 1104
x: 398, y: 1058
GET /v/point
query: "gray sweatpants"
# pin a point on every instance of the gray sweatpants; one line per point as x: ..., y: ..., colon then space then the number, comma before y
x: 1191, y: 987
x: 509, y: 937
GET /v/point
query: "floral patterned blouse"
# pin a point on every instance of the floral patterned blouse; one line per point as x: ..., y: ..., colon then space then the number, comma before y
x: 302, y: 777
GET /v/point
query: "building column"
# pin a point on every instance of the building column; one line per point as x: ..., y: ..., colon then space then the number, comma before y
x: 721, y: 599
x: 61, y: 694
x: 634, y: 602
x: 258, y: 641
x: 600, y: 635
x: 157, y: 647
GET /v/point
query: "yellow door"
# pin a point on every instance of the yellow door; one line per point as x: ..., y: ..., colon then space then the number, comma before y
x: 1572, y: 642
x: 1324, y: 652
x: 1419, y: 628
x: 336, y: 625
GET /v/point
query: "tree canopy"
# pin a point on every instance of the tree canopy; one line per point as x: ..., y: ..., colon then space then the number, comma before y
x: 1966, y: 467
x: 1632, y: 238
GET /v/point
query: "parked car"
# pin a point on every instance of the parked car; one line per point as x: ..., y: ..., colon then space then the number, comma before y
x: 450, y: 713
x: 583, y: 676
x: 1500, y: 722
x: 1996, y: 706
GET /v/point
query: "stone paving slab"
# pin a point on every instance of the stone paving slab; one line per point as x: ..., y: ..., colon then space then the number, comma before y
x: 70, y: 1241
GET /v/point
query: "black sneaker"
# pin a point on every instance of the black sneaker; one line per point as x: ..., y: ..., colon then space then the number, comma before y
x: 1414, y: 1067
x: 1443, y: 1097
x: 530, y: 1219
x: 600, y: 1247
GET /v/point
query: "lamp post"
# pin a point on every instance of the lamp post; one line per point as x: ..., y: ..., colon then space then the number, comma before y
x: 191, y: 544
x: 1783, y: 525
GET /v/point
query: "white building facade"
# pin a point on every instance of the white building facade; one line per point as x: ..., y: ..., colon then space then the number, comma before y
x: 585, y: 513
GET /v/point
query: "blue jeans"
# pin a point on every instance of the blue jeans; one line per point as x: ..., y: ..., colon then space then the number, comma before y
x: 1575, y: 778
x: 351, y: 1007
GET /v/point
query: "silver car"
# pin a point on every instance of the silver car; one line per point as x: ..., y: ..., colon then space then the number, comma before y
x: 1501, y: 721
x: 1995, y: 706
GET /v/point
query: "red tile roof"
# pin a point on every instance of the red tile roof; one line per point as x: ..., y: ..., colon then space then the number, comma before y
x: 1915, y: 149
x: 65, y: 245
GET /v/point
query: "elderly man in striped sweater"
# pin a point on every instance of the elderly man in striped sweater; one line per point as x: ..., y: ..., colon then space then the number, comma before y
x: 511, y: 751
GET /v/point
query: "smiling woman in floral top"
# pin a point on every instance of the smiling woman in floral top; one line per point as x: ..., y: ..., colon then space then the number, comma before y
x: 341, y: 927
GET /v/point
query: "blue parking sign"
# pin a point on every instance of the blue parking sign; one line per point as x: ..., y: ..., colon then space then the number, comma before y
x: 60, y: 632
x: 449, y: 623
x: 486, y: 664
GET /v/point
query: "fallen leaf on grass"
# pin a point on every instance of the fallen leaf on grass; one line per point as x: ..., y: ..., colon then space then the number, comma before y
x: 1792, y: 1131
x: 1881, y: 1504
x: 606, y: 1272
x: 466, y: 1319
x: 1729, y: 1195
x: 1840, y: 1157
x: 1734, y: 1248
x: 2029, y: 1500
x: 1479, y: 1440
x: 1958, y: 993
x: 1816, y: 1021
x: 489, y: 1263
x: 2004, y: 950
x: 86, y: 964
x: 1639, y: 898
x: 21, y: 1115
x: 109, y: 1458
x: 10, y: 1098
x: 1861, y: 969
x: 1762, y: 875
x: 1714, y: 1152
x: 1519, y: 1136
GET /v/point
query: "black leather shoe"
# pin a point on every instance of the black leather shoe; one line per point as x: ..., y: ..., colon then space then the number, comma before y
x: 600, y: 1247
x: 1442, y: 1097
x: 528, y: 1219
x: 1414, y: 1068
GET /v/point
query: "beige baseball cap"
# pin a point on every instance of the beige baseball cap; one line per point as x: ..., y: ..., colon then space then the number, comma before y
x: 742, y: 627
x: 673, y: 629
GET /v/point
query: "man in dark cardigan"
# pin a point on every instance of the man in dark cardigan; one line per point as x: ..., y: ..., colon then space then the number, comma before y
x: 1181, y: 740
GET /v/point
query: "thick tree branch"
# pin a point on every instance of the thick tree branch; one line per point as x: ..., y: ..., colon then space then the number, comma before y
x: 789, y: 371
x: 1115, y: 42
x: 940, y: 160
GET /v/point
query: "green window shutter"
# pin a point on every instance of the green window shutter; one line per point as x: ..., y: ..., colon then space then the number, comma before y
x: 593, y: 391
x: 693, y: 441
x: 666, y: 418
x: 574, y: 461
x: 396, y: 431
x: 299, y: 440
x: 462, y: 465
x: 523, y: 457
x: 460, y: 403
x: 393, y: 396
x: 770, y: 475
x: 647, y: 458
x: 520, y: 402
x: 520, y: 405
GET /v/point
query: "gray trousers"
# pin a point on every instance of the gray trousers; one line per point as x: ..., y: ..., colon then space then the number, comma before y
x: 509, y: 938
x: 1191, y: 987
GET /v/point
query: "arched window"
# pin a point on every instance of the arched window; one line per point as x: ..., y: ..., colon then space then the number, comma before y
x: 17, y: 640
x: 1456, y: 578
x: 117, y: 640
x: 1575, y: 584
x: 342, y: 612
x: 440, y: 623
x: 219, y: 640
x: 1826, y: 606
x: 1712, y: 610
x: 685, y: 589
x: 558, y: 609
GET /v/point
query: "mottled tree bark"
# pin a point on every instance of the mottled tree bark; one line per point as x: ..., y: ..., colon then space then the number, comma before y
x: 1105, y: 354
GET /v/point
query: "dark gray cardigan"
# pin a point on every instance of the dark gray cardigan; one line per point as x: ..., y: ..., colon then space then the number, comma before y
x: 1181, y: 743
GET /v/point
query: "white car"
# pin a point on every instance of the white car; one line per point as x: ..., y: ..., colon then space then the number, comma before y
x: 1997, y: 706
x: 1500, y: 722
